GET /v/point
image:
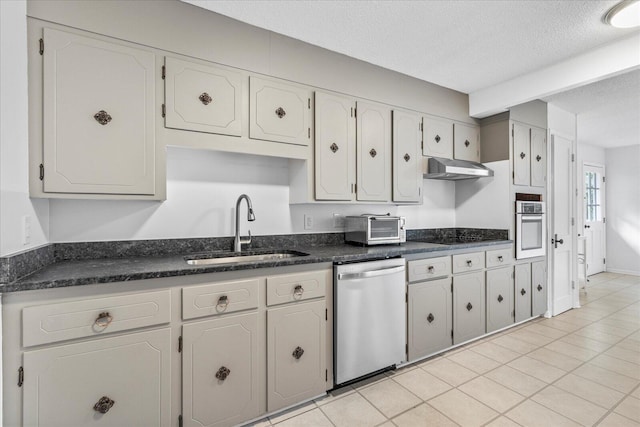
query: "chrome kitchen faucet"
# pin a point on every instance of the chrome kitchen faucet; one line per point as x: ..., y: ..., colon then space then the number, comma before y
x: 238, y: 241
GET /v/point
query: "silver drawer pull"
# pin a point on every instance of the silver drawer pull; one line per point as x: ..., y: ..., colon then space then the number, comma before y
x: 223, y: 302
x: 430, y: 269
x: 280, y: 112
x: 469, y: 263
x: 298, y: 291
x: 103, y: 405
x: 103, y: 320
x: 102, y: 117
x: 205, y: 98
x: 500, y: 258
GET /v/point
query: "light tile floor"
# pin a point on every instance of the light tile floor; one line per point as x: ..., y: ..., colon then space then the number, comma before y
x: 579, y: 368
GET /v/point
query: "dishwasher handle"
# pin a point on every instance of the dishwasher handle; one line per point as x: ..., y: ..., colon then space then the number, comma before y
x: 370, y: 273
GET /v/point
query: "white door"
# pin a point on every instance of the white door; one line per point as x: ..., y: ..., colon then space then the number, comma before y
x: 594, y: 217
x: 561, y: 248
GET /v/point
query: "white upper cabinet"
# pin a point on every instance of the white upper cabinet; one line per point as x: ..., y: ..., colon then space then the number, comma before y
x: 373, y: 147
x: 202, y: 98
x: 538, y: 157
x: 279, y: 111
x: 529, y: 155
x: 437, y: 135
x: 521, y: 154
x: 99, y: 117
x: 466, y: 142
x: 407, y: 159
x: 335, y: 147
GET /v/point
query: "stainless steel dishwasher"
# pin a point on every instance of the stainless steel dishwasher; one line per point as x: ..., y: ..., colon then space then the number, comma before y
x: 370, y: 318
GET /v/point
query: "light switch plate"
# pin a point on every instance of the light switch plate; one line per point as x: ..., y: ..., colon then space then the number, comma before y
x: 308, y: 222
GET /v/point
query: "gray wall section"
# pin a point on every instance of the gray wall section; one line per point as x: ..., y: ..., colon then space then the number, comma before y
x: 182, y: 28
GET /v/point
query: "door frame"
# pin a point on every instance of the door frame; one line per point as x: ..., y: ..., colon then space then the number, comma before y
x: 603, y: 194
x: 551, y: 222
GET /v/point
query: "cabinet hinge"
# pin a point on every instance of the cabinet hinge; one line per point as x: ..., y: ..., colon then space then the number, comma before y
x: 351, y: 111
x: 41, y: 46
x: 20, y: 376
x: 355, y: 112
x: 164, y: 110
x: 309, y: 103
x: 406, y: 297
x: 513, y: 313
x: 326, y: 375
x: 309, y: 133
x: 406, y: 349
x: 573, y: 221
x: 604, y: 260
x: 179, y: 420
x: 576, y: 192
x: 164, y: 70
x: 604, y: 219
x: 355, y: 188
x: 573, y: 157
x: 180, y: 344
x: 41, y: 172
x: 573, y: 284
x: 513, y: 175
x: 452, y: 333
x: 512, y: 131
x: 603, y: 179
x: 452, y: 288
x: 326, y: 314
x: 419, y: 191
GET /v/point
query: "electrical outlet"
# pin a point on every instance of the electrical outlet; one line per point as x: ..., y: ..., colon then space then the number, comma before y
x: 308, y: 222
x: 26, y: 230
x: 338, y: 220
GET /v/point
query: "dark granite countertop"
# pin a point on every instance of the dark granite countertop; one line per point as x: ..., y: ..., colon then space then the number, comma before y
x: 109, y: 270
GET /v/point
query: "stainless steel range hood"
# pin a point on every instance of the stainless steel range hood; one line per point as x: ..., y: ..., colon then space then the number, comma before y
x: 440, y: 168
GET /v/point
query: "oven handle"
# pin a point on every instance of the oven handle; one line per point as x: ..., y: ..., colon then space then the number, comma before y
x: 531, y: 218
x: 370, y: 273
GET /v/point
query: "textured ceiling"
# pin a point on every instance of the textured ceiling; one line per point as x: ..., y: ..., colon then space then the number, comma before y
x: 466, y: 45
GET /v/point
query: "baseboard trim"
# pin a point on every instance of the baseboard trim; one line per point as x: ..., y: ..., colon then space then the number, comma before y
x: 629, y: 272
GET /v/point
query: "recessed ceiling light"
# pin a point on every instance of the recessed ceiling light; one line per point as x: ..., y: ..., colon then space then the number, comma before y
x: 625, y: 14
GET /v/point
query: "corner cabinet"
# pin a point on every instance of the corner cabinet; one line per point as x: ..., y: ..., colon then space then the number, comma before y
x: 437, y: 134
x: 98, y: 117
x: 466, y: 142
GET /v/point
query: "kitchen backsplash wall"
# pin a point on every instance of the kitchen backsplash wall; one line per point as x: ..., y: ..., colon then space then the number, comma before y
x: 202, y: 189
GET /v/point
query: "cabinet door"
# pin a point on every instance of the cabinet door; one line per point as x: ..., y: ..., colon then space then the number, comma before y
x: 466, y: 142
x: 407, y: 159
x: 335, y: 147
x: 468, y: 306
x: 99, y: 116
x: 437, y: 135
x: 296, y: 353
x: 521, y: 154
x: 430, y: 317
x: 203, y: 98
x: 538, y: 157
x: 539, y: 288
x: 373, y: 150
x: 523, y: 292
x: 220, y: 362
x: 63, y: 385
x: 279, y: 112
x: 499, y: 298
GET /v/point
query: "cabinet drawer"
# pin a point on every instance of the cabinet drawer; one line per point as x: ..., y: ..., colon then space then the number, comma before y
x: 468, y: 262
x: 498, y: 257
x: 297, y: 287
x: 219, y: 298
x: 91, y: 317
x: 425, y: 269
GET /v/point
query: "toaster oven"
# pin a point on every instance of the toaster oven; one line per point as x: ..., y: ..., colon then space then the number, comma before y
x: 375, y: 229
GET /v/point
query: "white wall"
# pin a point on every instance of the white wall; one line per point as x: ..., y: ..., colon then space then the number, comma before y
x: 202, y: 189
x: 623, y: 209
x: 14, y: 190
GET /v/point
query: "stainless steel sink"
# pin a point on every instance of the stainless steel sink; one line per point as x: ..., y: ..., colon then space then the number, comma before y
x: 241, y: 257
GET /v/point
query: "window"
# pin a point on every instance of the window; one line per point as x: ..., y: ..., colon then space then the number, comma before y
x: 593, y: 210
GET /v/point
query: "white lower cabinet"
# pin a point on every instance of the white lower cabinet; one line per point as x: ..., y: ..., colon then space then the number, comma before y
x: 115, y: 381
x: 430, y: 317
x: 499, y: 298
x: 468, y: 306
x: 296, y: 363
x: 539, y: 288
x: 220, y: 371
x: 523, y: 291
